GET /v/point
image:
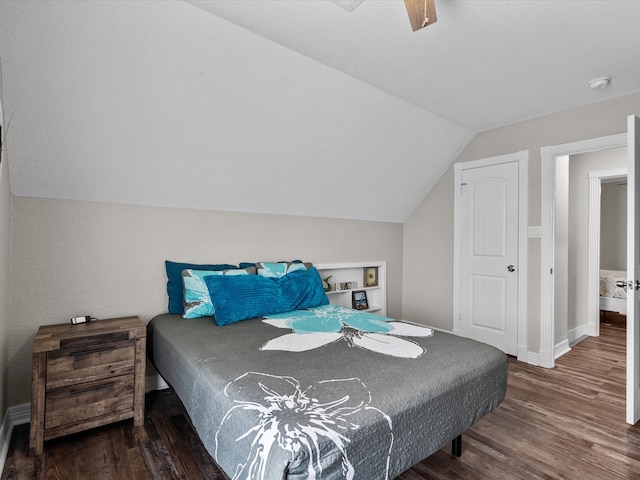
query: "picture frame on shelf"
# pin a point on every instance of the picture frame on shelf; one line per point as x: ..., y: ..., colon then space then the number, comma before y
x: 371, y: 277
x: 359, y: 300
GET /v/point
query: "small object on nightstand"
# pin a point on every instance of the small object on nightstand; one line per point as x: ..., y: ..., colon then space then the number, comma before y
x: 86, y: 375
x: 83, y: 319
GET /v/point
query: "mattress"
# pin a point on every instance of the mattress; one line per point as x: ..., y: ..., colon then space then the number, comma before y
x: 270, y: 402
x: 608, y: 287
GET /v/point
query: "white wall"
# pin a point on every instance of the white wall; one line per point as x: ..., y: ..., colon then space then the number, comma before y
x: 613, y: 223
x: 428, y: 233
x: 74, y: 258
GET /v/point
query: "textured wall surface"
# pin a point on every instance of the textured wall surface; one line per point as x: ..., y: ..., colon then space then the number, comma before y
x: 5, y: 285
x: 83, y: 258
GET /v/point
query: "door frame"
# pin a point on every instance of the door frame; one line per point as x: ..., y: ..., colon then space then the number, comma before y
x: 522, y: 158
x: 548, y: 154
x: 593, y: 301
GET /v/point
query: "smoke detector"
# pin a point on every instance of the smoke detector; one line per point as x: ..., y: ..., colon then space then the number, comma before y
x: 599, y: 83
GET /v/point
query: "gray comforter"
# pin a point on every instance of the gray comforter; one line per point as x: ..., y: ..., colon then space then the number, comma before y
x: 276, y: 398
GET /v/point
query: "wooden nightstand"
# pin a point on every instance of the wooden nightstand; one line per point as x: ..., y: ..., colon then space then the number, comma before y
x: 85, y: 376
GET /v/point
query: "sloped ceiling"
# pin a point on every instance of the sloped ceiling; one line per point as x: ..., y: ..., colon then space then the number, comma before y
x: 289, y: 107
x: 483, y: 64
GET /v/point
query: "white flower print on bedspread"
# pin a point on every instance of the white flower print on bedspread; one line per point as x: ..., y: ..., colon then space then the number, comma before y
x: 323, y: 325
x: 312, y: 426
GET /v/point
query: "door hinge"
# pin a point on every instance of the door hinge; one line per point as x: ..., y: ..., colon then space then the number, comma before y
x: 462, y: 185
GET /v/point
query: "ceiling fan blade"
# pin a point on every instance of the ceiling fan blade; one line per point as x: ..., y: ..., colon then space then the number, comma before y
x: 421, y: 13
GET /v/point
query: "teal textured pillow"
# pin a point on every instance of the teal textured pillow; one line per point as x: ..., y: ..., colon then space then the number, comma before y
x: 280, y: 269
x: 197, y: 302
x: 237, y: 298
x: 302, y: 289
x: 175, y: 287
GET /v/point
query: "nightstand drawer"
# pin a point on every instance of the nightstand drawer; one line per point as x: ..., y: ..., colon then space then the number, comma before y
x: 89, y: 363
x: 82, y: 401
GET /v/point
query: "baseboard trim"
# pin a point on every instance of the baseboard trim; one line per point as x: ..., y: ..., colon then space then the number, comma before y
x: 562, y: 348
x: 21, y: 414
x: 6, y: 429
x: 577, y: 333
x: 154, y: 382
x: 16, y: 415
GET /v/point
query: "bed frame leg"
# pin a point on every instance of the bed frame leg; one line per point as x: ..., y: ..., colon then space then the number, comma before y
x: 456, y: 446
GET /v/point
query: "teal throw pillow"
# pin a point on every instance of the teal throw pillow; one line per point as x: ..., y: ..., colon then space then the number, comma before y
x: 237, y: 298
x: 197, y: 302
x: 280, y: 269
x: 175, y: 287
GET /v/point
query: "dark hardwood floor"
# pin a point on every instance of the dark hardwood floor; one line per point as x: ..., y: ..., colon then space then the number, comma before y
x: 561, y: 423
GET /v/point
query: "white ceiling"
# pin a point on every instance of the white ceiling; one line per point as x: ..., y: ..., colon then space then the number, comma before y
x: 293, y: 107
x: 483, y: 64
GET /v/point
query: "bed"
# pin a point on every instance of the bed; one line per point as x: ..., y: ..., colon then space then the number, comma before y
x: 323, y: 392
x: 612, y: 297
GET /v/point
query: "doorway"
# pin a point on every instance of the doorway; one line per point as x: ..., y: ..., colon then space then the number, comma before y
x: 580, y: 187
x: 579, y: 181
x: 549, y: 156
x: 607, y: 235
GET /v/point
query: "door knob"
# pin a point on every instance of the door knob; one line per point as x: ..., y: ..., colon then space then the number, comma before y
x: 511, y: 268
x: 629, y: 284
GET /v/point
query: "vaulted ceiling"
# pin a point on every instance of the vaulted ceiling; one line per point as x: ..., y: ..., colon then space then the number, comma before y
x: 290, y: 107
x: 484, y: 63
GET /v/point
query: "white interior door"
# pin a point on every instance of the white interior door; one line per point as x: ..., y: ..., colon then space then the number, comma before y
x: 489, y: 203
x: 633, y: 271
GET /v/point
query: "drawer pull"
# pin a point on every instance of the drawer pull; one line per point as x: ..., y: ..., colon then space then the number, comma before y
x: 91, y: 389
x: 97, y: 350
